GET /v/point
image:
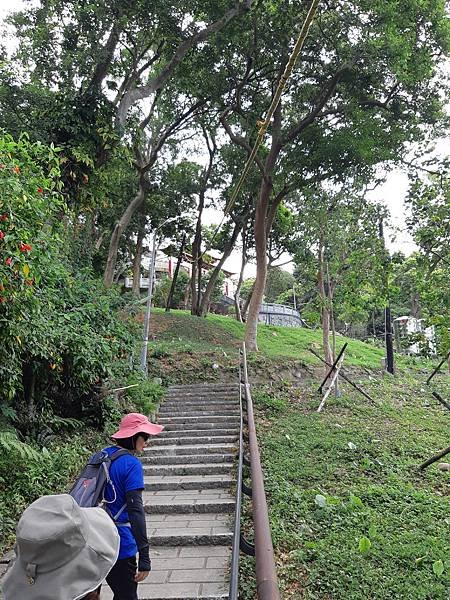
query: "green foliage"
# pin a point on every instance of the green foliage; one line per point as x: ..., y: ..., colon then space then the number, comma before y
x: 246, y: 288
x: 278, y: 281
x: 38, y: 471
x: 60, y: 331
x: 11, y: 444
x: 145, y: 393
x: 162, y: 288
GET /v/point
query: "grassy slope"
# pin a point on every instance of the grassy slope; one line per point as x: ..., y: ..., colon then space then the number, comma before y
x: 178, y: 331
x: 372, y: 487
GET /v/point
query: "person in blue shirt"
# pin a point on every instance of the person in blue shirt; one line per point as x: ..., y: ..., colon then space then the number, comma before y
x: 124, y: 503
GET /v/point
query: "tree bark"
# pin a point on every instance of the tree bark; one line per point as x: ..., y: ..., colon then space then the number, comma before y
x: 175, y: 274
x: 247, y: 303
x: 137, y: 261
x: 119, y: 228
x: 237, y: 294
x: 29, y: 385
x: 206, y: 299
x: 196, y: 273
x: 187, y: 293
x: 261, y: 267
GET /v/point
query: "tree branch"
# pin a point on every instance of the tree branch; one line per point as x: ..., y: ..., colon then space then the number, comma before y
x: 324, y: 95
x: 102, y: 67
x: 158, y: 82
x: 239, y: 140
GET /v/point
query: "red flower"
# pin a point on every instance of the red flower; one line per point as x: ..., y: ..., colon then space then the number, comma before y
x: 2, y: 166
x: 16, y: 170
x: 40, y: 190
x: 25, y: 247
x: 4, y: 217
x: 2, y: 235
x: 2, y: 299
x: 8, y: 261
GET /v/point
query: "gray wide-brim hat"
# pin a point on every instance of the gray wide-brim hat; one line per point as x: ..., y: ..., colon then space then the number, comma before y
x: 63, y: 552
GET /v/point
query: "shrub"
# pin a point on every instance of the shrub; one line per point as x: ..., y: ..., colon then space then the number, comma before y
x: 37, y: 472
x: 145, y: 395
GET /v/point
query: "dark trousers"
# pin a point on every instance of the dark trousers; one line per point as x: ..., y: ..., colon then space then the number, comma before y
x: 121, y: 579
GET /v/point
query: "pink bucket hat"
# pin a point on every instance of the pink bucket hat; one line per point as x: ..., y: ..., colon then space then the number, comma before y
x: 136, y: 423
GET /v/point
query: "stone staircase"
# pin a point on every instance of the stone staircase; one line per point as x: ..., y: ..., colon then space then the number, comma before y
x: 189, y: 494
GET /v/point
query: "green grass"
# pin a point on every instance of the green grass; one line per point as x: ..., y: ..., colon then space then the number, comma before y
x: 350, y: 473
x: 178, y: 331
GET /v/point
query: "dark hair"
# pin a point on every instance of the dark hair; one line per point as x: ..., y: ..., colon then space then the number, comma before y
x: 129, y: 443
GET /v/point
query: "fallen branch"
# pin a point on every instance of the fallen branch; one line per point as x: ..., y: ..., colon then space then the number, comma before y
x: 438, y: 367
x: 344, y: 377
x: 124, y: 388
x: 441, y: 400
x: 335, y: 376
x: 434, y: 458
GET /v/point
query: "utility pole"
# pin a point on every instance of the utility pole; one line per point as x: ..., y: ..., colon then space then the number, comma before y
x: 387, y: 310
x: 151, y: 274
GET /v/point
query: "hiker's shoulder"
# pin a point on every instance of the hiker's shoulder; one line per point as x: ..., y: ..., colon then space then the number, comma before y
x: 126, y: 459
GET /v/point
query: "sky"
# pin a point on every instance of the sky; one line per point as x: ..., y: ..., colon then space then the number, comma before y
x: 392, y: 193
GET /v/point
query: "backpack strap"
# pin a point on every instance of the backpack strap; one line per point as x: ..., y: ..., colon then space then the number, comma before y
x: 118, y: 453
x: 114, y: 456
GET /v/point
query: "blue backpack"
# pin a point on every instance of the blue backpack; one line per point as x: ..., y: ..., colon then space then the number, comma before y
x: 89, y: 488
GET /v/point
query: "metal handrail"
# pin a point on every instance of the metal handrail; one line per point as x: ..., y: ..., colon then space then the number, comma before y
x: 266, y: 575
x: 234, y: 574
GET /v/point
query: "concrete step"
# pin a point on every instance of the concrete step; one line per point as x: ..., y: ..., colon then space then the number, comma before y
x: 191, y: 440
x: 188, y: 469
x: 190, y: 529
x: 198, y: 411
x: 203, y: 403
x: 202, y: 393
x: 232, y: 410
x: 214, y: 429
x: 208, y: 423
x: 189, y: 448
x: 195, y: 419
x: 179, y: 400
x: 184, y: 573
x: 188, y: 459
x: 232, y: 423
x: 204, y: 386
x: 188, y: 482
x: 170, y: 502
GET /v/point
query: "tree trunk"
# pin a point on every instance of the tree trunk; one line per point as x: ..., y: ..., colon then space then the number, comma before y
x: 137, y: 261
x: 175, y: 275
x: 416, y: 310
x: 247, y: 303
x: 206, y: 299
x: 259, y: 286
x: 29, y: 384
x: 120, y: 227
x: 196, y: 258
x: 187, y: 293
x: 389, y: 345
x: 237, y: 294
x: 325, y: 308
